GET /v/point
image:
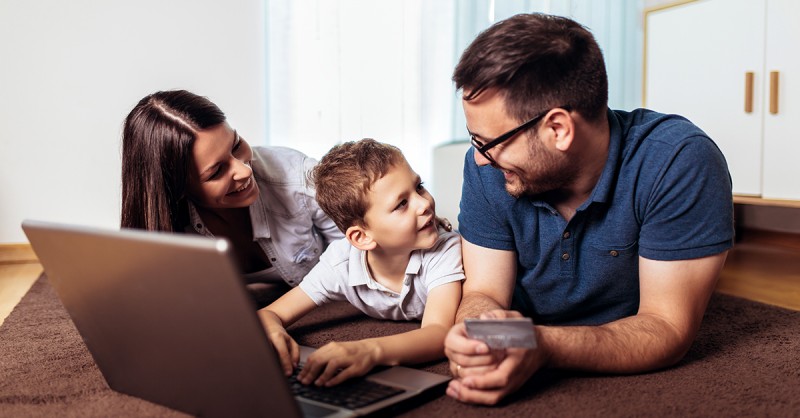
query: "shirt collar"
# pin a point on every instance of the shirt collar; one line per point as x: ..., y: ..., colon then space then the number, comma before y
x: 605, y: 185
x: 413, y: 268
x: 258, y: 221
x: 258, y: 217
x: 195, y: 222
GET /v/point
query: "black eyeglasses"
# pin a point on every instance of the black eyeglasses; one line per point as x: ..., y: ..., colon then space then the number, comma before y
x: 484, y: 148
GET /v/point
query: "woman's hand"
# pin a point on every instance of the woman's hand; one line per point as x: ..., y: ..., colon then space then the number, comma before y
x: 444, y: 223
x: 336, y: 362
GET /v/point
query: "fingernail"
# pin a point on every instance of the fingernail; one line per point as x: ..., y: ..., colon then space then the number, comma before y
x: 482, y: 349
x: 452, y: 393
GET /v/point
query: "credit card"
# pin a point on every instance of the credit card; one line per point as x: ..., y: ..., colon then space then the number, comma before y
x: 502, y: 333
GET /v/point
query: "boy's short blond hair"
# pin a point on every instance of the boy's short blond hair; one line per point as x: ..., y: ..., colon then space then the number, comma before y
x: 345, y: 175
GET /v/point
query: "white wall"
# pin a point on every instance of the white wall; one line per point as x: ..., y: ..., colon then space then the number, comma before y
x: 70, y: 71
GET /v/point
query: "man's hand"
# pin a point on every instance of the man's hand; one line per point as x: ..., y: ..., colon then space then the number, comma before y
x: 486, y: 376
x: 336, y: 362
x: 467, y: 357
x: 516, y: 367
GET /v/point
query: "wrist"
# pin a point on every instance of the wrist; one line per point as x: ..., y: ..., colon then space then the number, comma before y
x: 376, y: 352
x: 270, y: 319
x: 544, y: 344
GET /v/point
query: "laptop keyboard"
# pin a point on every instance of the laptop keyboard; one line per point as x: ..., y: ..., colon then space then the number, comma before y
x: 351, y: 394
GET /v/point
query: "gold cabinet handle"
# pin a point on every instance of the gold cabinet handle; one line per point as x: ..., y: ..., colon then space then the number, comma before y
x: 773, y: 92
x: 748, y: 92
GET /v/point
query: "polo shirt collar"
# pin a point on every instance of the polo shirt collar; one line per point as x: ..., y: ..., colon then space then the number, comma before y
x: 605, y: 185
x: 413, y: 268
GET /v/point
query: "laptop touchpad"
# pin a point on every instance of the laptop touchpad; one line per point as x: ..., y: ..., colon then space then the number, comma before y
x: 315, y: 411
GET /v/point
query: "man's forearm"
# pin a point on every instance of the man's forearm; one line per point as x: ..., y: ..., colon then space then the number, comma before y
x: 631, y: 345
x: 475, y: 303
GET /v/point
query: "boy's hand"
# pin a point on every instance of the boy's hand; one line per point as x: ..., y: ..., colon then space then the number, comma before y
x: 286, y: 347
x: 338, y: 361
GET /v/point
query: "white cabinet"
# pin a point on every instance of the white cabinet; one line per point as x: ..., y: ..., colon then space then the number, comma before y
x: 711, y: 61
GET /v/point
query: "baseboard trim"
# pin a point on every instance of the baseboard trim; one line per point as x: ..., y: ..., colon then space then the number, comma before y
x: 17, y: 254
x: 784, y: 240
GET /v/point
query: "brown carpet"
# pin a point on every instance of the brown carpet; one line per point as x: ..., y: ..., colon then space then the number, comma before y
x: 745, y: 362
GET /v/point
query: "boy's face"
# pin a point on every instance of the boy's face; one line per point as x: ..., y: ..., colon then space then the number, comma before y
x: 401, y: 214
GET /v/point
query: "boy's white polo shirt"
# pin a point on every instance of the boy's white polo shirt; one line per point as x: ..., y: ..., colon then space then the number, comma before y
x: 342, y: 274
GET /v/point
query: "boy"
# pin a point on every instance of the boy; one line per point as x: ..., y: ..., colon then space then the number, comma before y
x: 394, y: 263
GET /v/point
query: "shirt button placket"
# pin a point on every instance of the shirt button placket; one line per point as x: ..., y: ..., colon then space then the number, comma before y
x: 565, y: 254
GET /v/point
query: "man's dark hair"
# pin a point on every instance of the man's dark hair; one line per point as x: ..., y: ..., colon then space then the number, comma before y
x: 538, y: 62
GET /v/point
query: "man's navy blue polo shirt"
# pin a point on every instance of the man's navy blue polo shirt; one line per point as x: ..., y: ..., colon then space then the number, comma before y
x: 664, y: 194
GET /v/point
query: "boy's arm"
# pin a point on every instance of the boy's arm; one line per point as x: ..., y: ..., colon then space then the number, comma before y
x: 279, y: 315
x: 336, y: 362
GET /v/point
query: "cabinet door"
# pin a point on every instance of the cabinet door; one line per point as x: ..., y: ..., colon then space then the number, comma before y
x: 697, y: 55
x: 781, y: 135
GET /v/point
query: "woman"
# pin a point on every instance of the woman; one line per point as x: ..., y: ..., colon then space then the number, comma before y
x: 184, y: 169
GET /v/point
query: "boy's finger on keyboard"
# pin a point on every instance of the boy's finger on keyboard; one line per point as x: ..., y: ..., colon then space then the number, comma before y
x: 344, y: 374
x: 295, y: 353
x: 310, y: 371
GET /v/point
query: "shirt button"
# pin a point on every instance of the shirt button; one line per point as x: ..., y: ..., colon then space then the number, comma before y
x: 199, y: 226
x: 566, y: 235
x: 613, y: 253
x: 565, y: 256
x: 273, y: 259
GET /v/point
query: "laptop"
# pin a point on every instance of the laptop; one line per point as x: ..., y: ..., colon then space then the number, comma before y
x: 167, y: 319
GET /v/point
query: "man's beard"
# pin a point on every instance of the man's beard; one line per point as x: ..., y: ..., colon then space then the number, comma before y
x: 544, y: 171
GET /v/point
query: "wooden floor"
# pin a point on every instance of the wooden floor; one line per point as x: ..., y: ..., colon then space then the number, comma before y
x: 19, y: 268
x: 756, y: 269
x: 764, y: 267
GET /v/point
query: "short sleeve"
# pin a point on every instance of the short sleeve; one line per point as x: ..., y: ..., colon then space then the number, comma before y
x: 689, y: 211
x: 443, y: 262
x: 324, y: 283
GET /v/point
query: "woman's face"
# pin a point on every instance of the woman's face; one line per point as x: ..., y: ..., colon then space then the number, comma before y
x: 220, y: 176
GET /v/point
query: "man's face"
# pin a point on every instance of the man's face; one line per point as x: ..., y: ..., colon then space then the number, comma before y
x: 529, y: 165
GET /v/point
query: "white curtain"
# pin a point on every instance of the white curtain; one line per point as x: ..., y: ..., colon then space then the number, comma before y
x: 341, y: 70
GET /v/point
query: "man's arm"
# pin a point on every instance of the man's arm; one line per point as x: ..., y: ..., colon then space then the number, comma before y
x: 491, y: 277
x: 673, y: 299
x: 489, y: 285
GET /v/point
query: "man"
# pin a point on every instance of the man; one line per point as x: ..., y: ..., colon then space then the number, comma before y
x: 608, y: 228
